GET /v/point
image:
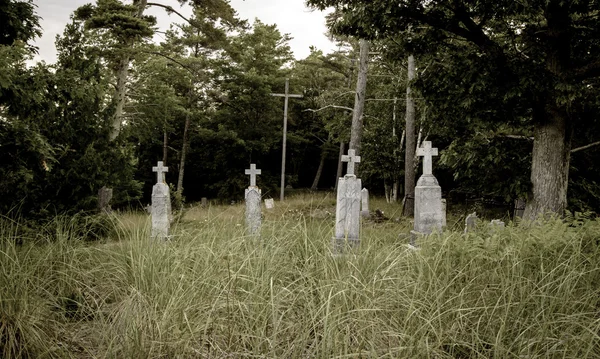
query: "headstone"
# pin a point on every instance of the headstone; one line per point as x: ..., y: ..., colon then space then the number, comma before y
x: 104, y: 198
x: 253, y: 200
x: 428, y: 211
x: 161, y: 204
x: 347, y: 211
x: 270, y: 203
x: 364, y: 194
x: 470, y: 222
x: 496, y: 223
x: 204, y: 202
x: 519, y: 207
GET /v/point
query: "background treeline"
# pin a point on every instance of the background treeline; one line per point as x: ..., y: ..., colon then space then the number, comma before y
x: 115, y: 102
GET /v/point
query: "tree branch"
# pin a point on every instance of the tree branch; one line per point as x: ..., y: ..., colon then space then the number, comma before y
x: 328, y: 106
x: 585, y: 147
x: 170, y: 9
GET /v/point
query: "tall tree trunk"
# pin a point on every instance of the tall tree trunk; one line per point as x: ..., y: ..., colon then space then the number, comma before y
x: 315, y: 184
x: 359, y: 100
x: 120, y: 94
x: 165, y: 145
x: 340, y: 163
x: 184, y: 149
x: 550, y: 166
x: 409, y: 159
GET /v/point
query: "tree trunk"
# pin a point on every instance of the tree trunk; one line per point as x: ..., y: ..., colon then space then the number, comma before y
x: 409, y: 158
x: 165, y: 145
x: 359, y: 101
x: 340, y: 163
x: 315, y: 184
x: 184, y: 149
x: 550, y: 166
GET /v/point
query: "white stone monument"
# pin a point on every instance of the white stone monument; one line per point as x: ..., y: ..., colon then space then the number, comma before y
x: 429, y: 214
x: 347, y: 211
x: 161, y: 204
x: 253, y: 201
x: 365, y: 203
x: 269, y: 203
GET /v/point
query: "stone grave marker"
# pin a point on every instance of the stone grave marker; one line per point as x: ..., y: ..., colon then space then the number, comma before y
x: 253, y: 201
x: 497, y: 224
x: 429, y: 215
x: 347, y: 211
x: 104, y: 197
x: 444, y: 205
x: 364, y: 194
x: 270, y: 203
x: 470, y: 222
x: 204, y: 202
x: 161, y: 204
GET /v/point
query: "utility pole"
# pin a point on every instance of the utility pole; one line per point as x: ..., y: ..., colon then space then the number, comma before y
x: 286, y: 96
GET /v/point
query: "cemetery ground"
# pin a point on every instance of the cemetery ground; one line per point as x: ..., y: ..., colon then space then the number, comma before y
x: 214, y: 292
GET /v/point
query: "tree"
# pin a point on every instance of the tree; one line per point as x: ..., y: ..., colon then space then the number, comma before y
x: 541, y: 54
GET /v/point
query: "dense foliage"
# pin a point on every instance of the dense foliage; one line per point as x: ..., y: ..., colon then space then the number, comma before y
x: 115, y: 102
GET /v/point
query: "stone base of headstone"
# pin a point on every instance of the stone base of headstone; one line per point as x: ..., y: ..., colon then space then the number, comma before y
x: 428, y: 205
x: 347, y: 214
x: 253, y: 210
x: 104, y: 197
x: 161, y: 216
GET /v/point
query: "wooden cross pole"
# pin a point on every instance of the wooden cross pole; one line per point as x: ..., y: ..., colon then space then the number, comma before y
x: 286, y: 96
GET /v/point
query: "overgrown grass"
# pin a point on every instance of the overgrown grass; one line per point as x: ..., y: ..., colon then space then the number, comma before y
x: 213, y: 292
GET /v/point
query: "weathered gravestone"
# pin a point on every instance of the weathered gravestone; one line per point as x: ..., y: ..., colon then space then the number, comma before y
x: 429, y: 214
x: 270, y: 203
x: 104, y: 197
x: 471, y: 222
x: 364, y: 194
x: 204, y: 202
x: 161, y: 204
x: 253, y: 200
x: 347, y: 211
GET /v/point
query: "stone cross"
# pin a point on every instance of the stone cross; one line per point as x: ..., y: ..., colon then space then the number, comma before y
x: 351, y: 158
x: 253, y: 172
x: 160, y: 172
x: 427, y: 152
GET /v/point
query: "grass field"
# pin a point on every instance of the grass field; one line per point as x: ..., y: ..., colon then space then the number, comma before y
x: 212, y: 292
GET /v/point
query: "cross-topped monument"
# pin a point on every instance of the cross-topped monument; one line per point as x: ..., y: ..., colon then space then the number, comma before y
x: 351, y: 158
x: 427, y: 152
x: 160, y: 172
x: 253, y: 172
x: 286, y: 96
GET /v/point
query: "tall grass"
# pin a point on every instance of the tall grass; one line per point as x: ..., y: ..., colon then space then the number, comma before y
x: 213, y: 292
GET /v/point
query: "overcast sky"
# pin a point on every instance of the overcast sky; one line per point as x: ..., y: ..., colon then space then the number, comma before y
x: 307, y: 27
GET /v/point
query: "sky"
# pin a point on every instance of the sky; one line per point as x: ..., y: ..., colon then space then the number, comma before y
x: 305, y: 26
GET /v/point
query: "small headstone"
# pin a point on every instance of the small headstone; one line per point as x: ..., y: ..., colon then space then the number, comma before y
x: 429, y: 214
x: 347, y: 211
x: 253, y: 200
x: 470, y: 222
x: 519, y: 207
x: 364, y: 194
x: 270, y: 203
x: 161, y: 204
x: 496, y: 223
x: 104, y: 197
x: 204, y: 202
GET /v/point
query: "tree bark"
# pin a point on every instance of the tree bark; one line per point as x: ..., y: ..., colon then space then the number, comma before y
x: 315, y: 184
x: 409, y: 158
x: 550, y: 166
x: 340, y: 163
x: 359, y: 101
x: 165, y: 145
x: 184, y: 150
